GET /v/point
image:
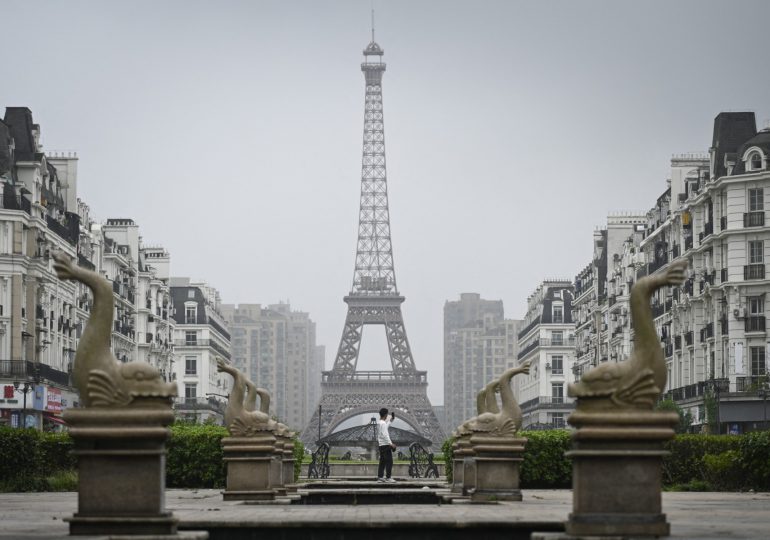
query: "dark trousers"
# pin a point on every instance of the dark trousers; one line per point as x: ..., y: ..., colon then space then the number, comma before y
x: 386, y: 462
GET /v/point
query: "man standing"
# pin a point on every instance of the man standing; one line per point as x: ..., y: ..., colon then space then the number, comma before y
x: 386, y: 447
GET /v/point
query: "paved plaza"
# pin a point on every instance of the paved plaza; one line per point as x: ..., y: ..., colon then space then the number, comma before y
x: 692, y: 515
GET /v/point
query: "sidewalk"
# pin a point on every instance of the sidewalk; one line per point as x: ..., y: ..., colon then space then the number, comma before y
x: 692, y: 515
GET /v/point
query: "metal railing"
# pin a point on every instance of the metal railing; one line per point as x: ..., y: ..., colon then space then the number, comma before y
x: 754, y: 271
x: 755, y: 323
x: 754, y: 219
x: 547, y: 402
x: 203, y: 343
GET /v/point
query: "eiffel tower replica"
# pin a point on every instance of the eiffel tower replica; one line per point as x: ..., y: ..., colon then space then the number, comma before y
x: 374, y: 300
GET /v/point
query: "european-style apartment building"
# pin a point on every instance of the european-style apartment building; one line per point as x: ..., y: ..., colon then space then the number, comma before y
x: 713, y: 329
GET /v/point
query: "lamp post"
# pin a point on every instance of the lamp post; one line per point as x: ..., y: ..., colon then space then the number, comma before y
x: 27, y: 387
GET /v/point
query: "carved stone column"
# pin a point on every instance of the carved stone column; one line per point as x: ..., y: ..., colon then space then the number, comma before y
x: 616, y: 472
x: 249, y: 464
x: 497, y: 461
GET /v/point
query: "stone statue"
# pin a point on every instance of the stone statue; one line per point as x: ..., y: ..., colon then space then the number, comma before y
x: 503, y: 422
x: 241, y: 417
x: 101, y: 380
x: 638, y: 382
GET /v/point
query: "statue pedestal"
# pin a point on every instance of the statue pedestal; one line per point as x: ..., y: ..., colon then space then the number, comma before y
x: 121, y: 455
x: 497, y: 461
x: 288, y: 465
x: 462, y: 450
x: 616, y: 472
x: 276, y: 467
x: 249, y: 464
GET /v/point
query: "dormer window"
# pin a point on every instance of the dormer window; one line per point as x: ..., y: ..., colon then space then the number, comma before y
x: 754, y: 162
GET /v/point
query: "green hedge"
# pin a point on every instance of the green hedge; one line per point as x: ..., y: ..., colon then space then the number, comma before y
x: 544, y: 465
x: 31, y: 461
x: 34, y: 461
x: 697, y: 462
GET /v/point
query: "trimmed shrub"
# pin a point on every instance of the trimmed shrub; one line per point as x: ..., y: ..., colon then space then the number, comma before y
x: 685, y: 461
x: 20, y: 460
x: 448, y: 452
x: 195, y: 457
x: 755, y: 460
x: 299, y: 454
x: 544, y: 465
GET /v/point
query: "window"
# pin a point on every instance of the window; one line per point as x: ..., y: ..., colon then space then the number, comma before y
x: 190, y: 365
x: 755, y: 161
x: 556, y: 419
x: 758, y: 367
x: 190, y: 293
x: 756, y: 199
x: 756, y: 251
x: 558, y: 314
x: 557, y: 393
x: 191, y: 337
x: 557, y: 338
x: 557, y: 293
x: 557, y: 365
x: 190, y: 314
x: 190, y: 392
x: 756, y: 305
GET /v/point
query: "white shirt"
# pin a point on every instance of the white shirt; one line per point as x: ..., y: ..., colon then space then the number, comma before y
x: 383, y: 437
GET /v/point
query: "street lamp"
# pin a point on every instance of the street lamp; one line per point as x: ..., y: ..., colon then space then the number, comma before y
x: 27, y: 387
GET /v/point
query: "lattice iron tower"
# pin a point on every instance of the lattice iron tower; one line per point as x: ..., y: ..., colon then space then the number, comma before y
x: 374, y: 298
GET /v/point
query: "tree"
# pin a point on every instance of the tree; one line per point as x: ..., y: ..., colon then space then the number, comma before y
x: 685, y: 418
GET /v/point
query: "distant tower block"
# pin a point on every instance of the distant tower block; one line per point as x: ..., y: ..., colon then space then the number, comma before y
x: 374, y: 300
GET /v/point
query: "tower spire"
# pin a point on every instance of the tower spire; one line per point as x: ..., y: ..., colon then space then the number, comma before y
x: 374, y: 298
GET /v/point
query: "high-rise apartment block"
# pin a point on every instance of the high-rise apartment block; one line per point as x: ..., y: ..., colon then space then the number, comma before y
x: 275, y: 347
x: 479, y: 345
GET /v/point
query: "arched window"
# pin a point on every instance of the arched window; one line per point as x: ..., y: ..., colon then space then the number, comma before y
x: 755, y: 161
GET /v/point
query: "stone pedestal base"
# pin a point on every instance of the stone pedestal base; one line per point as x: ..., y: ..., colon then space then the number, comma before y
x: 121, y: 456
x: 497, y: 461
x: 249, y: 464
x: 288, y: 466
x: 276, y: 468
x: 462, y: 449
x: 616, y: 472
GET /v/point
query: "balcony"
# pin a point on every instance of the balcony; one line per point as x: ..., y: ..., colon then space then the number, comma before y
x: 547, y: 402
x: 657, y: 263
x: 707, y: 332
x: 697, y: 389
x: 708, y: 228
x: 688, y: 286
x: 658, y: 310
x: 195, y: 404
x: 688, y: 243
x: 750, y: 384
x: 754, y: 271
x: 529, y: 327
x: 24, y: 370
x: 723, y: 223
x: 669, y: 349
x: 203, y: 343
x: 754, y: 219
x: 755, y: 323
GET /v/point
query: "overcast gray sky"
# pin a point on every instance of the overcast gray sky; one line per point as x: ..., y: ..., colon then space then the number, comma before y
x: 231, y: 132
